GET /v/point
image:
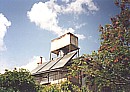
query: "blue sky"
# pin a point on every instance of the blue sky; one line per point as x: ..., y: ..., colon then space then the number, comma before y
x: 28, y: 26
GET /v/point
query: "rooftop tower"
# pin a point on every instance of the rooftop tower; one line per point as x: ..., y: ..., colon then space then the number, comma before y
x: 64, y: 44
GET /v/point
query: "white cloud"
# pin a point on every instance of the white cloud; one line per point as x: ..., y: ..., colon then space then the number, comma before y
x: 80, y: 25
x: 4, y: 24
x: 80, y: 36
x: 77, y: 6
x: 32, y: 64
x: 45, y: 15
x: 66, y: 1
x: 91, y: 6
x: 3, y: 65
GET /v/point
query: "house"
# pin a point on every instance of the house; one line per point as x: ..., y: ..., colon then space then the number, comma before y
x: 63, y: 50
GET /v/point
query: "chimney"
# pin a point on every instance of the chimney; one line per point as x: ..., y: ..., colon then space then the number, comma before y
x: 41, y: 60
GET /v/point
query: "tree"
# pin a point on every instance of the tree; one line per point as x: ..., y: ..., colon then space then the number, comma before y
x: 17, y: 81
x: 109, y: 67
x: 115, y: 45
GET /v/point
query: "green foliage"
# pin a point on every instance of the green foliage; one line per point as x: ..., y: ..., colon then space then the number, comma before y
x: 108, y: 69
x: 65, y: 86
x: 17, y: 81
x: 114, y: 50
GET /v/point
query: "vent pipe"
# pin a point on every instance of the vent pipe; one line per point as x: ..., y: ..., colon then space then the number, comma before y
x: 41, y: 60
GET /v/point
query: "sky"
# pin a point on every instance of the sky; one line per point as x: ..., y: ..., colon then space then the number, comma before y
x: 28, y: 26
